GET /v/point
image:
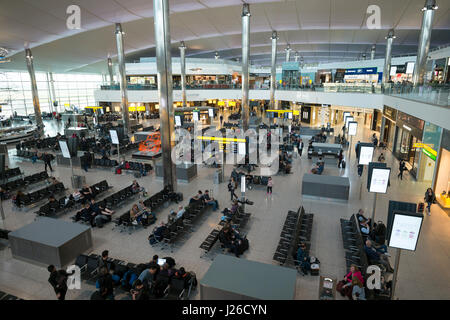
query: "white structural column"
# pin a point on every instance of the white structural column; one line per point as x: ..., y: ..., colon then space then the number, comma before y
x: 424, y: 41
x: 245, y: 61
x: 288, y: 53
x: 273, y: 69
x: 387, y: 59
x: 122, y: 78
x: 372, y: 52
x: 34, y: 90
x: 296, y: 56
x: 164, y: 75
x: 110, y: 71
x: 183, y: 73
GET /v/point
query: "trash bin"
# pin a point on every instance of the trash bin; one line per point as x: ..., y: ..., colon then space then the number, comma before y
x: 78, y: 181
x: 218, y: 177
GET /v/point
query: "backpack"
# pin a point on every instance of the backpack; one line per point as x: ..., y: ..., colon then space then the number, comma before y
x: 118, y: 171
x: 244, y: 246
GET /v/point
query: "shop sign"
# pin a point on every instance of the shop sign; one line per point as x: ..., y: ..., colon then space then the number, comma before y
x: 427, y: 150
x: 361, y: 71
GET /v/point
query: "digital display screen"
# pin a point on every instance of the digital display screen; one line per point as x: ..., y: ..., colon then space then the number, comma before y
x: 393, y: 71
x: 64, y: 149
x: 211, y: 112
x: 161, y: 262
x: 241, y: 147
x: 380, y: 180
x: 114, y: 137
x: 290, y: 115
x: 365, y: 155
x: 195, y: 116
x: 405, y: 231
x: 410, y: 67
x: 243, y: 184
x: 352, y: 126
x: 178, y: 121
x: 347, y: 120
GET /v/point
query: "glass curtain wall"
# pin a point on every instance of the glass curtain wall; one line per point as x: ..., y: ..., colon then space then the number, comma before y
x: 70, y: 89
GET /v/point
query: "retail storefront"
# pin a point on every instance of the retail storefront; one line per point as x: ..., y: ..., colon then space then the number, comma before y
x: 388, y: 126
x: 442, y: 178
x: 402, y: 72
x: 408, y: 132
x: 361, y: 75
x: 376, y: 121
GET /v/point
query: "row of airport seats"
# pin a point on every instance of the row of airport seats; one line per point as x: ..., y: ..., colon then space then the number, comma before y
x: 136, y: 166
x: 128, y: 147
x: 176, y: 228
x: 30, y: 154
x: 89, y: 268
x: 51, y: 209
x: 24, y: 182
x: 297, y: 229
x: 153, y: 203
x: 114, y: 201
x: 10, y: 173
x: 44, y: 143
x: 105, y: 163
x: 36, y: 196
x: 239, y: 219
x: 354, y: 242
x: 234, y: 116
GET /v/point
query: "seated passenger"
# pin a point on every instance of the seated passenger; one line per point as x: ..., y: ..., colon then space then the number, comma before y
x: 84, y: 214
x: 135, y: 215
x: 140, y: 291
x: 183, y: 275
x: 180, y: 212
x: 344, y: 286
x: 376, y: 257
x: 303, y: 259
x: 158, y: 234
x: 135, y: 187
x: 210, y: 201
x: 358, y: 292
x: 87, y: 193
x: 194, y: 199
x: 230, y: 239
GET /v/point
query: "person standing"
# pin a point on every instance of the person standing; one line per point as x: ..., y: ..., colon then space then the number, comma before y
x: 401, y: 168
x: 300, y: 147
x: 429, y: 198
x: 340, y: 157
x: 231, y: 188
x: 58, y: 280
x: 47, y: 161
x: 269, y: 185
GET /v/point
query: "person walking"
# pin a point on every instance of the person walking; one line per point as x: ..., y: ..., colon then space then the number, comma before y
x: 47, y: 161
x: 340, y: 157
x: 429, y: 198
x: 300, y: 147
x: 401, y: 168
x: 58, y: 280
x: 269, y: 185
x: 231, y: 187
x: 221, y: 119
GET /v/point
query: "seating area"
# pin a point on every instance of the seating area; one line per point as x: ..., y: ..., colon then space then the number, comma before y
x: 30, y: 154
x: 153, y: 203
x: 136, y: 166
x: 176, y: 228
x: 52, y: 209
x: 105, y: 163
x: 174, y: 287
x: 355, y: 254
x: 24, y: 182
x: 239, y: 219
x: 297, y: 229
x: 36, y: 196
x: 10, y: 173
x: 45, y: 143
x: 113, y: 202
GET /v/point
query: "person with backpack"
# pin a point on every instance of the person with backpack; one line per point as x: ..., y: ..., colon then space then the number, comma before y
x: 47, y: 161
x: 58, y: 280
x: 340, y: 158
x: 231, y: 188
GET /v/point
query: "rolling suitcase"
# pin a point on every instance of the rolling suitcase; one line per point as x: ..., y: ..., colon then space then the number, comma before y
x: 343, y: 164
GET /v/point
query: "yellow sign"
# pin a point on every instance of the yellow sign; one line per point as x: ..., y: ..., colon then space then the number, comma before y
x: 282, y: 111
x: 93, y: 107
x: 220, y: 139
x: 426, y: 147
x: 296, y: 112
x: 138, y: 108
x: 232, y: 104
x: 221, y: 103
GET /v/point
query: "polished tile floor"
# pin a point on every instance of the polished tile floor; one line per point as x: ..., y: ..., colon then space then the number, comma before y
x: 423, y: 274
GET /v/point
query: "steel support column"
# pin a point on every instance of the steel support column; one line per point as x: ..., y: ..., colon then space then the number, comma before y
x: 424, y: 42
x: 122, y: 78
x: 245, y: 60
x: 387, y: 59
x: 183, y: 72
x: 372, y: 52
x: 288, y: 53
x: 164, y: 76
x: 34, y: 90
x: 273, y: 69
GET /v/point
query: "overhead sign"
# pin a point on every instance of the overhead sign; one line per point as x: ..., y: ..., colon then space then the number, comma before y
x: 347, y: 120
x: 64, y: 149
x: 405, y: 230
x: 195, y: 116
x: 241, y: 148
x: 361, y: 71
x: 114, y: 137
x: 427, y: 150
x: 379, y: 180
x: 211, y: 112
